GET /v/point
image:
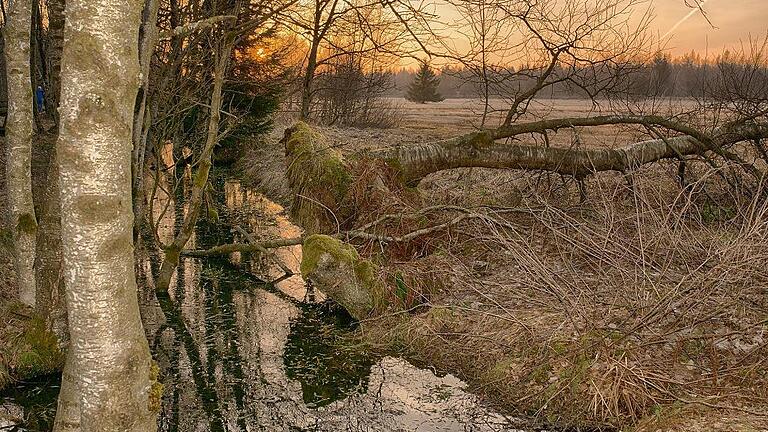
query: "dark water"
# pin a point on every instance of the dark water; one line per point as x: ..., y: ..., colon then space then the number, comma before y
x: 241, y: 347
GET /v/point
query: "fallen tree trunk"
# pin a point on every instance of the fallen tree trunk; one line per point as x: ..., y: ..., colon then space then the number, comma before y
x: 481, y: 150
x: 327, y: 189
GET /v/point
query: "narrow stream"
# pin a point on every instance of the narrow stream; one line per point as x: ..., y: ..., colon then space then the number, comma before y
x: 240, y: 353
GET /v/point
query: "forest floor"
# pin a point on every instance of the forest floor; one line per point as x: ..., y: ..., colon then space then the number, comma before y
x: 26, y: 349
x: 637, y: 308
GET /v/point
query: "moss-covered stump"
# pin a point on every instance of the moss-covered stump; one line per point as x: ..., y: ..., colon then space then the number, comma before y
x: 319, y: 178
x: 338, y: 271
x: 27, y: 349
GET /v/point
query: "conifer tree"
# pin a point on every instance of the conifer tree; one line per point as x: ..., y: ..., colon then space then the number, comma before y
x: 423, y: 89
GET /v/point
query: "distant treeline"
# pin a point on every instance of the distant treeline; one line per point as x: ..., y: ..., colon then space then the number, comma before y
x: 686, y: 76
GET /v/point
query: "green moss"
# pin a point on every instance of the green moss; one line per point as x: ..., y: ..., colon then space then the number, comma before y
x: 541, y: 373
x: 319, y: 178
x: 559, y: 347
x: 26, y: 224
x: 712, y: 212
x: 6, y: 239
x: 201, y: 176
x: 480, y: 139
x: 361, y: 295
x: 40, y: 354
x: 27, y: 348
x: 213, y: 215
x: 316, y: 245
x: 500, y: 370
x: 365, y: 272
x: 156, y: 388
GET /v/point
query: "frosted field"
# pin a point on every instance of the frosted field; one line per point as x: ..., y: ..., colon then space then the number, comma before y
x: 454, y: 116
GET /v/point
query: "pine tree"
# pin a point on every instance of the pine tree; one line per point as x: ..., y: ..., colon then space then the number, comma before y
x: 424, y: 87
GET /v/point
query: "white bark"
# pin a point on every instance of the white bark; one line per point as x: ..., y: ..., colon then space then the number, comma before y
x: 19, y: 143
x: 109, y: 355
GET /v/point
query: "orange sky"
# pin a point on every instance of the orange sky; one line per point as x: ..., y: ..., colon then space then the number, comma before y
x: 734, y: 20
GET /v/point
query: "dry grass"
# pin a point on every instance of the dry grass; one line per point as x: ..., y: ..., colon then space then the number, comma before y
x: 642, y: 307
x: 625, y: 310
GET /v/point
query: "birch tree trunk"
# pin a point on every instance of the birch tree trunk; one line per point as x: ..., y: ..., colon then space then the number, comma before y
x: 19, y: 143
x: 109, y: 359
x: 49, y: 276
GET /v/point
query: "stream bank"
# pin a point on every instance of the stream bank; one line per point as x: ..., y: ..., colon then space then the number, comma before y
x: 241, y: 347
x: 594, y: 304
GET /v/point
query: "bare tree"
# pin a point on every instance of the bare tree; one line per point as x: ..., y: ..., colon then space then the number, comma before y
x: 200, y: 182
x: 335, y: 28
x: 223, y: 36
x: 108, y: 360
x: 19, y: 143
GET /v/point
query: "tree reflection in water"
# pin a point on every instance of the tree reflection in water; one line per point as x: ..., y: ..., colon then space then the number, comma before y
x: 240, y: 354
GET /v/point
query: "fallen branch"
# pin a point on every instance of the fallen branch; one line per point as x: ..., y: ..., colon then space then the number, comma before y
x: 262, y: 247
x: 241, y: 247
x: 480, y: 150
x: 264, y: 251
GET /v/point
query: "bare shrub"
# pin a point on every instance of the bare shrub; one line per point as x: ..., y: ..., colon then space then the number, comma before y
x: 607, y: 312
x: 348, y: 95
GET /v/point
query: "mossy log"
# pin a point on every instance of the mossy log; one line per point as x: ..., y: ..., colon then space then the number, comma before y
x: 319, y: 178
x: 27, y: 349
x: 323, y: 181
x: 339, y: 272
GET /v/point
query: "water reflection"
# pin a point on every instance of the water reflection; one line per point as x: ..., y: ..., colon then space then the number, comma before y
x: 240, y: 354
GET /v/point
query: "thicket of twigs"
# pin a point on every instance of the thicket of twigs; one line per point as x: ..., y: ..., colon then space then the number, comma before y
x: 635, y: 305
